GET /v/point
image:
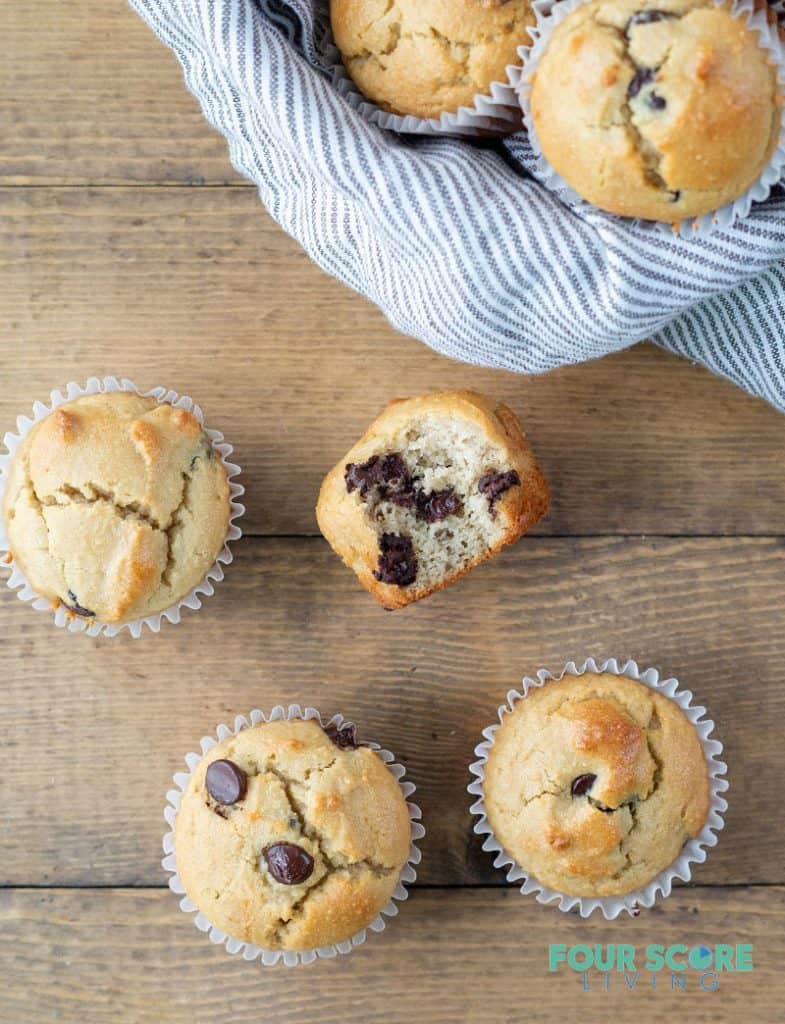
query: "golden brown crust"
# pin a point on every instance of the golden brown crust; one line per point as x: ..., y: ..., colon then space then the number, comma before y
x: 342, y: 806
x: 663, y: 120
x: 346, y: 526
x: 649, y: 791
x: 425, y: 57
x: 116, y: 505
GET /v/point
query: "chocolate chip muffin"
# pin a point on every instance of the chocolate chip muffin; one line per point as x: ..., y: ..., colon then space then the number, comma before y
x: 116, y: 506
x: 662, y: 110
x: 427, y: 57
x: 290, y: 836
x: 437, y: 485
x: 594, y: 783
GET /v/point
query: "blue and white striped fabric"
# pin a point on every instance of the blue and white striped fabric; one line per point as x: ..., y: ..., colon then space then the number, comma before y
x: 456, y: 243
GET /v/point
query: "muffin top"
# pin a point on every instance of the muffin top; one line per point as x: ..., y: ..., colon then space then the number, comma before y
x: 425, y: 57
x: 116, y: 506
x: 290, y: 836
x: 594, y: 784
x: 660, y: 110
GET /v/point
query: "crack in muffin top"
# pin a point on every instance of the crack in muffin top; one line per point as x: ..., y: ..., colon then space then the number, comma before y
x: 116, y: 505
x: 661, y: 110
x: 320, y: 798
x: 594, y: 784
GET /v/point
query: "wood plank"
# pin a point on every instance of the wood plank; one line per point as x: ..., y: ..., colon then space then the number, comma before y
x: 109, y: 721
x: 89, y: 95
x: 199, y: 289
x: 88, y: 956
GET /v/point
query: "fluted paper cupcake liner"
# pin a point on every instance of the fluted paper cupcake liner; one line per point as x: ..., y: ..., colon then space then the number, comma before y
x: 62, y: 617
x: 248, y: 950
x: 694, y: 850
x: 756, y: 14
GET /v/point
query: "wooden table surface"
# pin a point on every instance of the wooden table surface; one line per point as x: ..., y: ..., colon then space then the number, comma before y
x: 130, y: 247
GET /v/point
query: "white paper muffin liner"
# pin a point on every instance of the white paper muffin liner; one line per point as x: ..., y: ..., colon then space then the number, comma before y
x: 549, y: 15
x: 693, y: 852
x: 62, y: 618
x: 288, y: 957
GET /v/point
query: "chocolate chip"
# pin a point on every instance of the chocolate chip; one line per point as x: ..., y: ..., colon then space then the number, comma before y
x: 226, y: 782
x: 647, y: 17
x: 206, y: 453
x: 397, y: 561
x: 494, y: 484
x: 641, y: 77
x: 288, y: 863
x: 393, y: 482
x: 655, y: 101
x: 403, y: 499
x: 344, y: 737
x: 361, y: 475
x: 582, y: 784
x: 438, y: 505
x: 388, y: 472
x: 77, y: 609
x: 394, y: 471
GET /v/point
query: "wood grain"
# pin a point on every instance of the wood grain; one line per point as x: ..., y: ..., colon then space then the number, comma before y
x: 88, y: 95
x: 110, y: 720
x: 450, y: 957
x: 198, y: 289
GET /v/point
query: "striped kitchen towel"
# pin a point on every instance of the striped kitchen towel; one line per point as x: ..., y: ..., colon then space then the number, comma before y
x: 456, y: 242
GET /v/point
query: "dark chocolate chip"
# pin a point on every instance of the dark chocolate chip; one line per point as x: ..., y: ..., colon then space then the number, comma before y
x: 494, y: 484
x: 393, y: 482
x: 387, y: 472
x: 394, y: 471
x: 77, y: 609
x: 403, y: 499
x: 641, y: 77
x: 438, y: 505
x: 655, y: 101
x: 647, y: 17
x: 361, y: 475
x: 206, y: 453
x: 226, y: 782
x: 344, y: 737
x: 289, y: 863
x: 581, y: 784
x: 397, y: 561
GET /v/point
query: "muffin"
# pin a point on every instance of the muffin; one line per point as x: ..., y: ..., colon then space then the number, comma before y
x: 594, y: 784
x: 116, y: 506
x: 290, y: 836
x: 660, y: 110
x: 437, y: 485
x: 428, y: 57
